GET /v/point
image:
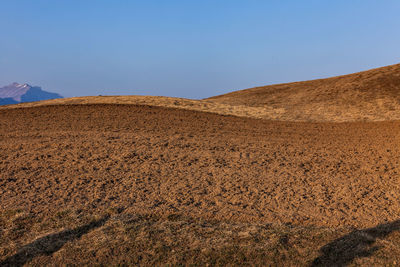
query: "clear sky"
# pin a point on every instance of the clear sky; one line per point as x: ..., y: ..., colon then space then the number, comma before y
x: 190, y: 49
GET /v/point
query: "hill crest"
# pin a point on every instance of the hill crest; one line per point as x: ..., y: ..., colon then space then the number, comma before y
x: 369, y: 95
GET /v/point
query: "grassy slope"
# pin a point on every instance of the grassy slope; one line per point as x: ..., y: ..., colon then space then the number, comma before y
x: 161, y: 101
x: 370, y: 95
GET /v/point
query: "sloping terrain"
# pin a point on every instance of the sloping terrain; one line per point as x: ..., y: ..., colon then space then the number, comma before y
x: 136, y: 184
x: 372, y: 95
x: 124, y: 180
x: 160, y: 101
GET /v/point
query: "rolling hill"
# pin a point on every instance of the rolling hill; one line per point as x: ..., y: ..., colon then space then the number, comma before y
x: 372, y: 95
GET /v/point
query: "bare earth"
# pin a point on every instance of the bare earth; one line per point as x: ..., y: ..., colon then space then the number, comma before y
x: 137, y: 184
x: 299, y: 174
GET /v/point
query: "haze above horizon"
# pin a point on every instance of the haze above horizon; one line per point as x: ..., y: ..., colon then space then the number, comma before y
x: 190, y: 49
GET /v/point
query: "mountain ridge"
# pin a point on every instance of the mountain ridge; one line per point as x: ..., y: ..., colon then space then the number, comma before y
x: 19, y: 93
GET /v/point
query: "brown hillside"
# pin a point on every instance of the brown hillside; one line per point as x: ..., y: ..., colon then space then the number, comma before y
x: 369, y: 95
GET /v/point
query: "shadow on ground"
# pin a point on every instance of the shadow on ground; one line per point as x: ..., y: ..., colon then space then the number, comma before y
x: 357, y: 244
x: 49, y: 244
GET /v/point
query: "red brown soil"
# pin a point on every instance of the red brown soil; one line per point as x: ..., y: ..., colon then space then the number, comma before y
x: 87, y: 181
x: 165, y: 161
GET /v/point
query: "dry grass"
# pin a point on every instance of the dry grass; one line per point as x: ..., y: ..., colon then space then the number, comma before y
x: 73, y: 238
x: 381, y: 109
x: 372, y: 95
x: 161, y: 101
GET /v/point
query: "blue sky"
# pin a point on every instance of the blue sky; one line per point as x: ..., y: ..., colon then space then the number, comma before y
x: 190, y: 49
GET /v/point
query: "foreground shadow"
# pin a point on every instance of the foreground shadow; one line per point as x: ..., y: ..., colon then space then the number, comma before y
x: 49, y: 244
x: 356, y: 244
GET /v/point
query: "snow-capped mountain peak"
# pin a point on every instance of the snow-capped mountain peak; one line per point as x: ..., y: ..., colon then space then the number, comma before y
x: 17, y: 93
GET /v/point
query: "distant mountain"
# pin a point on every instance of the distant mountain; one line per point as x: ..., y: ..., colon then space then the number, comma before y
x: 19, y: 93
x: 7, y: 101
